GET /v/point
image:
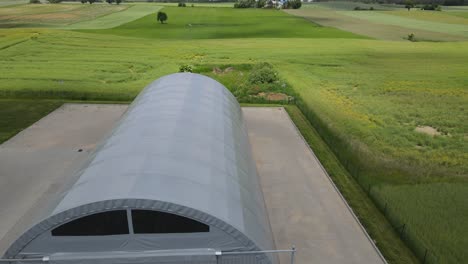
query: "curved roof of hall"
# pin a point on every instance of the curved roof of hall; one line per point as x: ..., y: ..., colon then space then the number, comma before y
x: 181, y: 147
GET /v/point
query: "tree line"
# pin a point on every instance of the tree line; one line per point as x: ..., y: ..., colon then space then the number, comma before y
x: 82, y: 1
x: 416, y: 2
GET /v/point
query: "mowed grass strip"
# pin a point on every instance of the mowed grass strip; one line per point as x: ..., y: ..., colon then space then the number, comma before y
x: 357, y: 23
x: 409, y: 23
x: 432, y: 16
x: 219, y: 23
x: 44, y: 15
x: 198, y: 4
x: 459, y: 14
x: 348, y: 5
x: 115, y: 19
x: 12, y: 2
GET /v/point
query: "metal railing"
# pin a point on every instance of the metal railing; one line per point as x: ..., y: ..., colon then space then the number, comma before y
x: 218, y: 257
x: 255, y: 257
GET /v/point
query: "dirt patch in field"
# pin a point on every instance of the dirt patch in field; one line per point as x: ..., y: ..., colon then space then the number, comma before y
x: 217, y: 70
x: 274, y: 96
x: 427, y: 130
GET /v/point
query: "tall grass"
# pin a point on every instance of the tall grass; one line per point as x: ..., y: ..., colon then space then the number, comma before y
x: 407, y: 214
x: 381, y: 231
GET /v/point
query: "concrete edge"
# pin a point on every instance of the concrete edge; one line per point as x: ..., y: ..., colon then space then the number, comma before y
x: 62, y: 106
x: 336, y: 188
x: 259, y: 181
x: 22, y: 131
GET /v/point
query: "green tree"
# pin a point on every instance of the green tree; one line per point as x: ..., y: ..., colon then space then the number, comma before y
x: 91, y: 1
x: 245, y: 4
x: 261, y: 3
x: 54, y: 1
x: 109, y: 1
x: 161, y: 17
x: 118, y: 1
x: 294, y: 4
x: 409, y: 4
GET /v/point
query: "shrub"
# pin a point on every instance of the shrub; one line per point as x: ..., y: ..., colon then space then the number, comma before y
x: 84, y: 1
x: 186, y: 68
x: 454, y: 2
x: 269, y: 4
x: 161, y: 17
x: 34, y: 1
x: 245, y: 4
x: 409, y: 4
x: 54, y: 1
x: 261, y: 3
x: 294, y: 4
x: 109, y: 1
x: 262, y: 73
x: 118, y: 1
x: 181, y: 4
x: 431, y: 7
x: 358, y: 8
x: 411, y: 37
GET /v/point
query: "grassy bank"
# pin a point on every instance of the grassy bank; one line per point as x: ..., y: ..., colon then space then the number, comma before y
x: 17, y: 115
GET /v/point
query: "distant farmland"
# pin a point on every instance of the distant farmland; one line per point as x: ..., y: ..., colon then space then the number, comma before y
x: 219, y: 23
x: 388, y: 22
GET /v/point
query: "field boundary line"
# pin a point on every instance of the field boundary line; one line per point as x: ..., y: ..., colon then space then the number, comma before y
x: 335, y: 187
x: 101, y: 16
x: 14, y: 44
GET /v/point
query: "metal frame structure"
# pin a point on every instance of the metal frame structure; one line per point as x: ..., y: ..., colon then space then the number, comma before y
x: 218, y: 255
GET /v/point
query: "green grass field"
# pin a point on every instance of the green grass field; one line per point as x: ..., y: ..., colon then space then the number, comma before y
x: 348, y: 5
x: 12, y: 2
x: 412, y: 23
x: 366, y: 98
x: 189, y: 4
x: 459, y: 14
x: 218, y: 23
x: 432, y: 16
x: 43, y: 15
x: 393, y: 23
x: 385, y: 237
x: 412, y: 202
x: 115, y: 19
